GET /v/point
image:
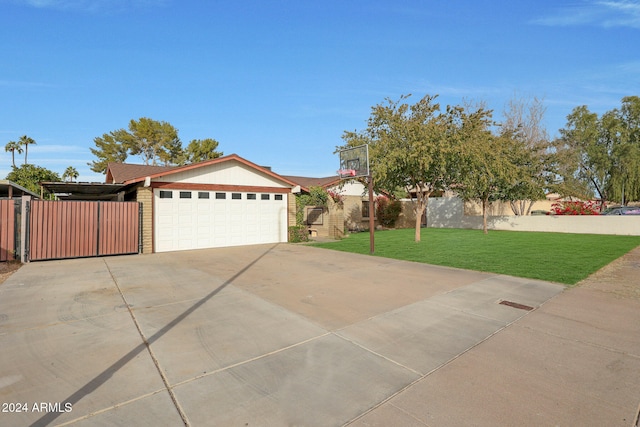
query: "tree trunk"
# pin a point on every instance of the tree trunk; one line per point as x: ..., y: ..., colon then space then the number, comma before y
x: 514, y: 207
x: 419, y: 210
x: 485, y: 202
x: 531, y: 202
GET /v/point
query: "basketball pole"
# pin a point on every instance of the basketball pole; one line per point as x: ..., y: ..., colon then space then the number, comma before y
x: 372, y: 214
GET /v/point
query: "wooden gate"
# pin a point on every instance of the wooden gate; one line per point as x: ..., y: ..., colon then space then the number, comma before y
x: 7, y: 230
x: 72, y: 229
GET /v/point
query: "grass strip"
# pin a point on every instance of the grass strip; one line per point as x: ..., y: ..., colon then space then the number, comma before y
x: 556, y: 257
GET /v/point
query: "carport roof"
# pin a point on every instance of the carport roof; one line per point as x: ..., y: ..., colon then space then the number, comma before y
x: 84, y: 190
x: 11, y: 189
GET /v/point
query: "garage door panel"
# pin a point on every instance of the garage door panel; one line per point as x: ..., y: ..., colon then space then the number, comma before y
x: 196, y: 223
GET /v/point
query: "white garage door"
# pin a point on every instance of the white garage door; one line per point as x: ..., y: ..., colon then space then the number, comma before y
x: 208, y: 219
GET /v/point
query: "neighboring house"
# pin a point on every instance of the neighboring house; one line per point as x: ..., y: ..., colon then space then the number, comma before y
x: 228, y: 201
x: 354, y: 194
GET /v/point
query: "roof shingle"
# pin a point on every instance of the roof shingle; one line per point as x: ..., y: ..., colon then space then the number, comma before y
x: 117, y: 173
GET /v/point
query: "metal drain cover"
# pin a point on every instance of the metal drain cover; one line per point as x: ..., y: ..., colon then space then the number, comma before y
x: 516, y: 305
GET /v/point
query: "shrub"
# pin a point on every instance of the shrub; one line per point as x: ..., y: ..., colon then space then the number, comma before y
x: 298, y: 233
x: 387, y: 211
x: 575, y: 208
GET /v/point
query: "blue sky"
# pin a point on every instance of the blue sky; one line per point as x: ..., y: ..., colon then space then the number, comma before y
x: 279, y: 81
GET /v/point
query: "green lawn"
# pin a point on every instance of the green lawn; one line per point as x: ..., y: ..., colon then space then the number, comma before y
x: 556, y: 257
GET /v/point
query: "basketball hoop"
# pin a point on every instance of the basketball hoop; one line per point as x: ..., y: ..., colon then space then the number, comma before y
x: 354, y: 162
x: 347, y: 173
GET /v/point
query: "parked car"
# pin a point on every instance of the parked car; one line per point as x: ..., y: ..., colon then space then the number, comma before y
x: 622, y: 210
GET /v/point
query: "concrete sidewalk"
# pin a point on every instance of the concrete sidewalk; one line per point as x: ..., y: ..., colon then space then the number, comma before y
x: 295, y: 335
x: 575, y: 361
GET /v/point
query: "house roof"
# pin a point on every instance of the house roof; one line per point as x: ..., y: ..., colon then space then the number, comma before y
x: 141, y: 173
x: 306, y: 182
x: 123, y: 176
x: 117, y: 173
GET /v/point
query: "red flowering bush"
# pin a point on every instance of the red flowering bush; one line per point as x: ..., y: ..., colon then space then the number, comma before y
x: 387, y: 211
x: 337, y: 198
x: 576, y: 208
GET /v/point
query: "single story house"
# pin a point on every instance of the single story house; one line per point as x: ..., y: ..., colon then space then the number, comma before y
x: 228, y: 201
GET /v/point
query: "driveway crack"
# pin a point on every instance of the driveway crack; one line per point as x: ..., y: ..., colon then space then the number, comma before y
x: 155, y: 360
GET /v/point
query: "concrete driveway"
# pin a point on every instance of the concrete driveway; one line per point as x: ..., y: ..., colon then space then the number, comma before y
x: 289, y: 335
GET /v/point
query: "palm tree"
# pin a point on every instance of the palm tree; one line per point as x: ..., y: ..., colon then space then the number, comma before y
x: 26, y: 141
x: 13, y: 147
x: 70, y: 174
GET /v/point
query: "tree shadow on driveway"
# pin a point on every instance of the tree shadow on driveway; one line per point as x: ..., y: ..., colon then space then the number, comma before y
x: 101, y: 378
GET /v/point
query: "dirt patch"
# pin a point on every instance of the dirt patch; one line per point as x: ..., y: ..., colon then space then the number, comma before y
x: 7, y: 269
x: 619, y: 278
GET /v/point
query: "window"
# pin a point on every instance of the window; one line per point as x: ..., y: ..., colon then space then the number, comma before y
x: 251, y: 196
x: 314, y: 216
x: 278, y: 197
x: 221, y: 196
x: 185, y: 194
x: 236, y: 196
x: 365, y: 209
x: 264, y: 197
x: 164, y: 194
x: 203, y: 194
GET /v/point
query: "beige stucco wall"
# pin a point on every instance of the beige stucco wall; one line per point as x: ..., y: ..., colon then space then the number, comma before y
x: 449, y: 213
x: 474, y: 208
x: 144, y: 195
x: 291, y: 210
x: 352, y: 210
x: 330, y: 223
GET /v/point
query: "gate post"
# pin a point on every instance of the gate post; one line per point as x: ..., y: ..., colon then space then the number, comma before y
x: 24, y: 229
x: 98, y: 207
x: 139, y: 227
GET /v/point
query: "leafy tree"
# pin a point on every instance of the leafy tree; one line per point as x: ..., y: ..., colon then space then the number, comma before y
x: 484, y: 169
x: 199, y: 150
x: 155, y: 141
x: 622, y: 126
x: 30, y: 176
x: 108, y: 150
x: 409, y: 147
x: 523, y: 125
x: 601, y: 155
x: 70, y: 174
x: 26, y: 141
x: 13, y: 146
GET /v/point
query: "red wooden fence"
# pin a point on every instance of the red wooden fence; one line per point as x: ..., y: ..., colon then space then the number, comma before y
x: 119, y: 228
x: 7, y: 230
x: 71, y: 229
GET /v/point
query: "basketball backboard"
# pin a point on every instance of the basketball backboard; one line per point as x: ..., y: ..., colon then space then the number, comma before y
x: 354, y: 162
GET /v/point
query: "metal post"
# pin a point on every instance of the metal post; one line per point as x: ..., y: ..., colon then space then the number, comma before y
x: 372, y: 213
x: 26, y: 220
x: 98, y: 229
x: 140, y: 227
